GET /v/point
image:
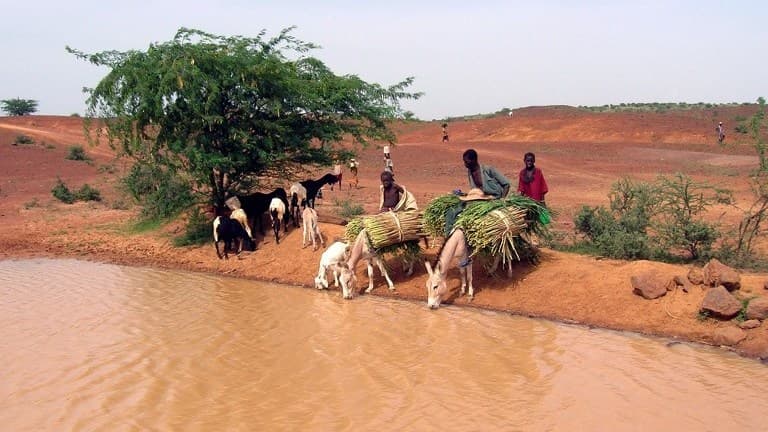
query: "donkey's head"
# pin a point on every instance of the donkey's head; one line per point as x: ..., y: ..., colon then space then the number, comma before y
x: 437, y: 289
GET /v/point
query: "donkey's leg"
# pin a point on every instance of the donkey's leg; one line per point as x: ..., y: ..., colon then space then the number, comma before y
x: 383, y: 270
x: 463, y: 278
x: 469, y: 282
x: 408, y: 266
x: 370, y: 276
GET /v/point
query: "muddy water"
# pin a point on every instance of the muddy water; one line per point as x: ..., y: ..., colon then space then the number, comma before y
x: 100, y: 347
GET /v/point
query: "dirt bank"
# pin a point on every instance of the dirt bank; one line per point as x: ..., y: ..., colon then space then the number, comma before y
x: 580, y: 168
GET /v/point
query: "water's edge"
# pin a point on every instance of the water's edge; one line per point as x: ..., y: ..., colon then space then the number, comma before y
x: 670, y: 339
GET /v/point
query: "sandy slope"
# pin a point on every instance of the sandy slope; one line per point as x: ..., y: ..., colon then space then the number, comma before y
x: 581, y: 154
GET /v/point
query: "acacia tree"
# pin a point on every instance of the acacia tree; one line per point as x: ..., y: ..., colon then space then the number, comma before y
x: 19, y: 107
x: 225, y: 112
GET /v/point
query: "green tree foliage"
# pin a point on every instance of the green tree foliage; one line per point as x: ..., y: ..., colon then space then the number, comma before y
x: 221, y: 113
x: 18, y: 107
x: 652, y: 220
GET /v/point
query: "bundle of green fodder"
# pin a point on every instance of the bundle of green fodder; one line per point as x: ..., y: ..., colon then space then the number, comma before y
x: 434, y: 214
x: 391, y: 232
x: 495, y: 227
x: 493, y: 230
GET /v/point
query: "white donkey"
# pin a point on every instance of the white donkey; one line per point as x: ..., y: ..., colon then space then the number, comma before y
x: 362, y: 249
x: 455, y: 247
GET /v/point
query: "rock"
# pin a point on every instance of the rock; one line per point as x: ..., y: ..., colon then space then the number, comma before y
x: 750, y: 324
x: 696, y: 276
x: 719, y: 303
x: 765, y: 285
x: 758, y: 308
x: 717, y: 273
x: 728, y: 336
x: 683, y: 282
x: 648, y: 285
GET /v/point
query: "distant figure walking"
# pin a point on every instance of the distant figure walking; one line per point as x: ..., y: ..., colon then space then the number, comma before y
x: 445, y: 132
x: 720, y: 133
x: 353, y: 167
x: 388, y: 165
x: 387, y: 155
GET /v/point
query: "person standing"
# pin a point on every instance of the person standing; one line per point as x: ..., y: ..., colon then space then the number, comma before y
x: 353, y: 166
x: 720, y: 133
x: 386, y: 152
x: 531, y: 181
x: 445, y: 132
x: 485, y: 177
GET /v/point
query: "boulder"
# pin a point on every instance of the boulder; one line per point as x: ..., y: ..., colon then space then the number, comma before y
x: 728, y: 336
x: 683, y: 283
x: 719, y: 303
x: 749, y: 324
x: 648, y: 285
x: 696, y: 276
x: 717, y: 273
x: 765, y: 285
x: 758, y: 308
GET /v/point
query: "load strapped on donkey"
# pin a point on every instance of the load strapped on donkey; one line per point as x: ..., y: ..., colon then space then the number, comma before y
x: 497, y: 228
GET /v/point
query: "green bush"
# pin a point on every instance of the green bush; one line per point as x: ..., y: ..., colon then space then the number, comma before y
x: 161, y: 193
x: 198, y: 230
x: 741, y: 128
x: 88, y: 193
x: 23, y: 139
x: 348, y: 210
x: 77, y: 153
x: 61, y: 192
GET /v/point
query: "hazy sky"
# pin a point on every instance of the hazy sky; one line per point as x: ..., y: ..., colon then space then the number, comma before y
x: 467, y: 56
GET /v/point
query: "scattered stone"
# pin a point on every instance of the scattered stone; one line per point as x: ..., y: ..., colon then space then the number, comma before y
x: 649, y: 286
x: 728, y: 336
x: 758, y: 308
x: 719, y: 303
x: 749, y: 324
x: 696, y: 276
x: 683, y: 282
x: 765, y: 285
x: 717, y: 273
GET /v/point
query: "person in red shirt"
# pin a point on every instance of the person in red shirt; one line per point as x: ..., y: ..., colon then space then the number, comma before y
x: 531, y: 182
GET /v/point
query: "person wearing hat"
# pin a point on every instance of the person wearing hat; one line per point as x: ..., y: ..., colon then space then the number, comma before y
x: 353, y: 166
x: 720, y: 132
x: 485, y: 177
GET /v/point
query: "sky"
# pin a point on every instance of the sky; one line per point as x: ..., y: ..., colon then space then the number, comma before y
x: 467, y: 57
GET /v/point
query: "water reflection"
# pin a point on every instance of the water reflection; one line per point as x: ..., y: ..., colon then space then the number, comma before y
x: 101, y: 347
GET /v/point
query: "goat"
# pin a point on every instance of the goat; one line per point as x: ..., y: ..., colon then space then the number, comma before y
x: 256, y: 204
x: 313, y: 186
x: 455, y: 246
x: 334, y: 258
x: 298, y: 194
x: 227, y: 230
x: 240, y: 216
x: 311, y: 229
x: 277, y: 212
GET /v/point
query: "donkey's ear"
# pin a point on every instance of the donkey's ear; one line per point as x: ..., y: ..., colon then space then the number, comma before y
x: 429, y: 267
x: 438, y: 267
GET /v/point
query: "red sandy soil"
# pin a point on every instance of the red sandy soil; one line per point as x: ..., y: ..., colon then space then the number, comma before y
x: 581, y: 153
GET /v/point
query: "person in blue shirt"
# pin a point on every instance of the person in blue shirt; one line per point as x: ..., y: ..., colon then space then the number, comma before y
x: 485, y: 177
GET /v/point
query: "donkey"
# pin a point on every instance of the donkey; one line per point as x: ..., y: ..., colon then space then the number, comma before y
x: 455, y: 246
x: 362, y: 249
